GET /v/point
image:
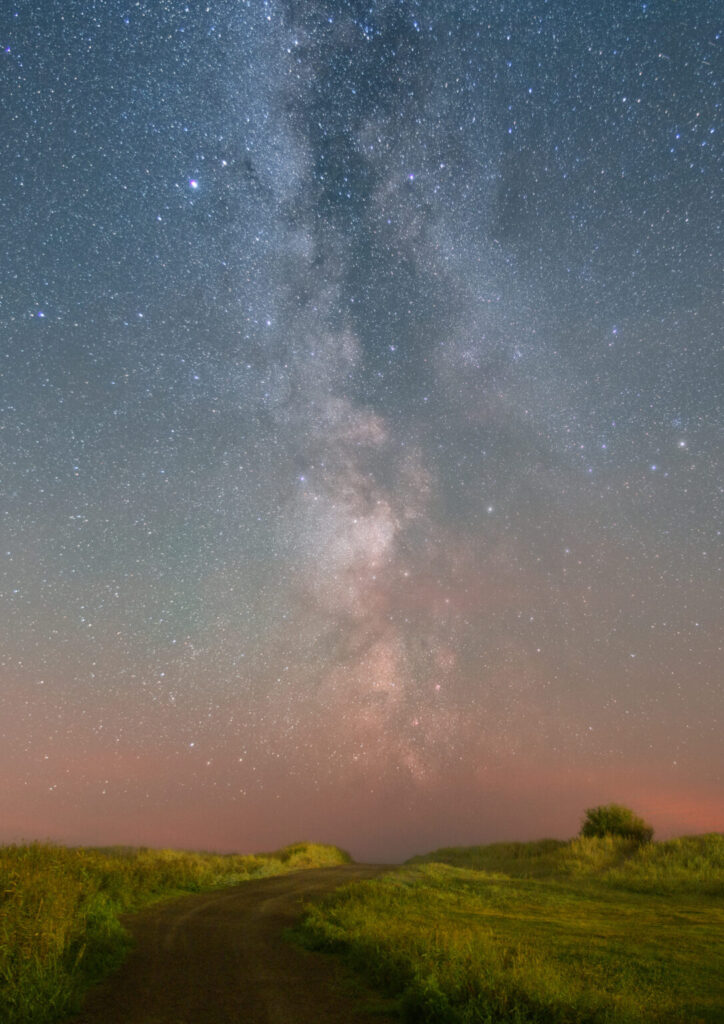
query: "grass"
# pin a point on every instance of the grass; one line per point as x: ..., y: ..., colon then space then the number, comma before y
x: 59, y: 909
x: 592, y: 931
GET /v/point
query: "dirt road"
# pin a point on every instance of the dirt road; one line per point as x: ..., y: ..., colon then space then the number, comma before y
x: 220, y: 958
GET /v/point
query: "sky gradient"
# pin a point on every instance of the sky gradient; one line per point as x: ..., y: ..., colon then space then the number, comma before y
x: 360, y: 420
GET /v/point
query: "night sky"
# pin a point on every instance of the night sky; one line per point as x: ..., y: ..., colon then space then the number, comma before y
x: 360, y: 393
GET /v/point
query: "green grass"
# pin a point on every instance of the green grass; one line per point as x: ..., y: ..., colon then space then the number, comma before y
x: 690, y: 863
x: 59, y: 907
x: 594, y: 931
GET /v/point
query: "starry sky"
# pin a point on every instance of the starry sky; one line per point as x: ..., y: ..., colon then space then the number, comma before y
x: 360, y: 393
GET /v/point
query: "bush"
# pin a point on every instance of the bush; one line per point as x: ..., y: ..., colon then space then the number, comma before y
x: 615, y: 820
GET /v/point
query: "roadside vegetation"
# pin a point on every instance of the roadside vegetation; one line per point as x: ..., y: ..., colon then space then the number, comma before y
x: 598, y: 930
x: 59, y: 909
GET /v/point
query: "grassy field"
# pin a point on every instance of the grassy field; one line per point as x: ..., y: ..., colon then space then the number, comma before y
x: 600, y: 931
x: 59, y: 907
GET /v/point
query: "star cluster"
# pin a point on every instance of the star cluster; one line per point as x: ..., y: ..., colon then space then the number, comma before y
x: 360, y: 419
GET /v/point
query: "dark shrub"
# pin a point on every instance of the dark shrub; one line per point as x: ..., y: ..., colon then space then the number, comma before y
x: 615, y: 820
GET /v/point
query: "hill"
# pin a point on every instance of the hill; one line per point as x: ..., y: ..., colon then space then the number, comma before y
x: 591, y: 931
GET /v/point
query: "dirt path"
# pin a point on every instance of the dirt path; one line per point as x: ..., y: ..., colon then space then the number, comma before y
x: 220, y: 958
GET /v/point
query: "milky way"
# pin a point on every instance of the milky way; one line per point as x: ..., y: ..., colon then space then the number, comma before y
x: 360, y: 392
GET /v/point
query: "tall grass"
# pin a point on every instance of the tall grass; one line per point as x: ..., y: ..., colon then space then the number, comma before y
x: 689, y: 864
x: 595, y: 931
x: 59, y: 907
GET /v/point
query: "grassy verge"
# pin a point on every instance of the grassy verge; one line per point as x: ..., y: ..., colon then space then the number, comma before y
x: 595, y: 931
x: 59, y: 907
